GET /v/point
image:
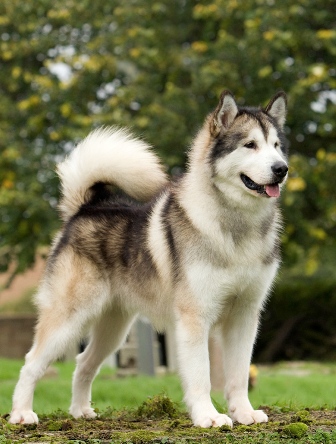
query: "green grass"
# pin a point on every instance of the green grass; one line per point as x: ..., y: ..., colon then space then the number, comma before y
x: 284, y: 385
x: 297, y: 385
x: 108, y: 391
x: 300, y: 400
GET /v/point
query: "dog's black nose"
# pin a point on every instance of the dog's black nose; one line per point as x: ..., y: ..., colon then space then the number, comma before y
x: 280, y: 169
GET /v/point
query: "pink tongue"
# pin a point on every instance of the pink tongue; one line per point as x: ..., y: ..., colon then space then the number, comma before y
x: 273, y: 190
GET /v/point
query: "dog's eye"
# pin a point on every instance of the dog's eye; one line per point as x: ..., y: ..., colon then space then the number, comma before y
x: 251, y: 144
x: 276, y: 144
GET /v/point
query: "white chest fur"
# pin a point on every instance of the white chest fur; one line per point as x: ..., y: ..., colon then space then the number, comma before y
x: 242, y: 274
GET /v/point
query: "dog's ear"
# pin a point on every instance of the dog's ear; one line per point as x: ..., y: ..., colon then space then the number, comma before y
x: 277, y: 108
x: 224, y: 114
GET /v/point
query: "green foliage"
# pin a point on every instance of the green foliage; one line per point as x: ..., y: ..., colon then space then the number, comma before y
x: 159, y: 67
x: 310, y: 216
x: 297, y: 323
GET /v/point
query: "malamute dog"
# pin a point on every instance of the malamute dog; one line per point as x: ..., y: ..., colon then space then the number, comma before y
x: 199, y: 253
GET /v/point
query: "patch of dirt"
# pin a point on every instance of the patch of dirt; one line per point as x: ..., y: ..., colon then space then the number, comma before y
x: 316, y: 419
x: 170, y: 426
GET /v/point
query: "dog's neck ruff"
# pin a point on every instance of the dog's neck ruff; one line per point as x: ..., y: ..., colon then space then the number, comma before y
x: 210, y: 207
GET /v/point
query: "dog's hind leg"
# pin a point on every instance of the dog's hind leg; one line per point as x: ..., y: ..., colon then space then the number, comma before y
x: 53, y: 336
x: 107, y: 336
x: 71, y: 296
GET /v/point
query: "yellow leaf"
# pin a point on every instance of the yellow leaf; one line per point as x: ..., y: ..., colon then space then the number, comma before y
x: 27, y: 77
x: 118, y: 11
x: 311, y: 266
x: 142, y: 122
x: 7, y: 55
x: 296, y: 184
x: 8, y: 184
x: 199, y: 46
x: 4, y: 20
x: 59, y: 13
x: 54, y: 136
x: 326, y: 34
x: 133, y: 32
x: 253, y: 23
x: 318, y: 233
x: 16, y: 72
x: 44, y: 81
x: 65, y: 109
x: 321, y: 154
x: 265, y: 71
x: 205, y: 11
x: 28, y: 103
x: 331, y: 157
x: 269, y: 35
x: 135, y: 52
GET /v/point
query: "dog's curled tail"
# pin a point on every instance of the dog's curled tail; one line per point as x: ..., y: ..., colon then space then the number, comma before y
x: 111, y: 156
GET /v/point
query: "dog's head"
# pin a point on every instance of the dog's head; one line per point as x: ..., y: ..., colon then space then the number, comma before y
x: 248, y: 152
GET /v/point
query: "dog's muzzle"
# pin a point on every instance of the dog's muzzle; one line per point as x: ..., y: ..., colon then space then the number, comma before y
x: 279, y: 169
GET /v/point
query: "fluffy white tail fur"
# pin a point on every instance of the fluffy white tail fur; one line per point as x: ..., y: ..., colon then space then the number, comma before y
x: 111, y: 156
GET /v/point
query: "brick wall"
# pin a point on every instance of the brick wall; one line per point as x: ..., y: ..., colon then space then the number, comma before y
x: 16, y: 335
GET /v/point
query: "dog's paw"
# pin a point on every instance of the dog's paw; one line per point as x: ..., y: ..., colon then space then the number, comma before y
x: 84, y: 412
x: 217, y: 420
x: 23, y: 417
x: 248, y: 417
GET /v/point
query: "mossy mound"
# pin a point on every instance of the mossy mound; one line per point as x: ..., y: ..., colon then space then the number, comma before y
x: 157, y: 407
x: 296, y: 430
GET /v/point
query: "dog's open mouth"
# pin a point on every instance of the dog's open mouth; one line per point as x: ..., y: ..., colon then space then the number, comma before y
x: 269, y: 190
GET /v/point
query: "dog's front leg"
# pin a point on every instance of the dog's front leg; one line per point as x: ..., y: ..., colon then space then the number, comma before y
x: 238, y: 335
x: 192, y: 346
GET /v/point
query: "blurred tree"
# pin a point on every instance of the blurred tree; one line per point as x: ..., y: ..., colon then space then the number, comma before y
x: 159, y: 67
